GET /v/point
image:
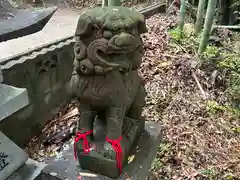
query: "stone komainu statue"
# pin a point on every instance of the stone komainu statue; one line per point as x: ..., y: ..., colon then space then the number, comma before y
x: 108, y: 51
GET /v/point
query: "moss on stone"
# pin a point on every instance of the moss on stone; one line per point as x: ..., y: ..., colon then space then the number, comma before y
x: 115, y: 17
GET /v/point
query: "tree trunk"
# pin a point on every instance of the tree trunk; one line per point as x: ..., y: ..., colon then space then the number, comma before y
x: 104, y: 3
x: 231, y: 10
x: 182, y: 14
x: 28, y: 1
x: 200, y: 14
x: 207, y: 25
x: 114, y: 3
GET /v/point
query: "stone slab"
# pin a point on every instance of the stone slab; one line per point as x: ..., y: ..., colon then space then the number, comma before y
x: 17, y: 22
x: 65, y: 167
x: 11, y: 100
x: 153, y: 9
x: 1, y: 76
x: 11, y: 157
x: 61, y: 26
x: 29, y: 171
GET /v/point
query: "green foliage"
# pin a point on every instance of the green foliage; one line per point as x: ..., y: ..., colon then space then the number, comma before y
x: 229, y: 177
x: 210, y: 52
x: 235, y: 92
x: 163, y: 150
x: 183, y: 36
x: 210, y: 173
x: 231, y: 64
x: 231, y: 61
x: 226, y: 62
x: 177, y: 34
x: 213, y: 108
x: 156, y: 164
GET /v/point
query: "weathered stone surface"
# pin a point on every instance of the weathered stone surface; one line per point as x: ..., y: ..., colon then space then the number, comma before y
x: 11, y: 156
x: 1, y: 76
x: 65, y: 167
x: 23, y: 72
x: 132, y: 132
x: 15, y: 23
x: 105, y: 81
x: 42, y: 75
x: 29, y: 171
x: 61, y: 26
x: 11, y: 100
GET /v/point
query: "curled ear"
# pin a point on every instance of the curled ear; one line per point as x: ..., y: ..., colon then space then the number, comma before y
x: 84, y: 26
x: 142, y: 28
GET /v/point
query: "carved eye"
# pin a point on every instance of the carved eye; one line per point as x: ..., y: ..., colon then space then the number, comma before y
x: 77, y: 50
x: 107, y: 34
x: 83, y: 68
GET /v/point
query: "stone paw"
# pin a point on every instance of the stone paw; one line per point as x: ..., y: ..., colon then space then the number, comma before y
x: 108, y: 152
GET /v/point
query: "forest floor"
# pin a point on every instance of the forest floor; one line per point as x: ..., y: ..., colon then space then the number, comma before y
x: 191, y: 97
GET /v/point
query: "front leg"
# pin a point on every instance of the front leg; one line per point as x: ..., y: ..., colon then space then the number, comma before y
x: 87, y: 115
x: 85, y: 127
x: 114, y: 121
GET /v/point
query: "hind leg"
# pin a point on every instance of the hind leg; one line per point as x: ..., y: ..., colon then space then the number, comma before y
x: 135, y: 112
x: 136, y: 108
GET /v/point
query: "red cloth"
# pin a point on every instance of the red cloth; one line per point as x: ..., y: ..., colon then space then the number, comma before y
x: 117, y: 148
x: 85, y: 144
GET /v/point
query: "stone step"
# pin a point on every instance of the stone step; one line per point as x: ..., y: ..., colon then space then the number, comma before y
x: 29, y: 171
x: 65, y: 167
x: 11, y: 157
x: 12, y: 99
x: 1, y: 76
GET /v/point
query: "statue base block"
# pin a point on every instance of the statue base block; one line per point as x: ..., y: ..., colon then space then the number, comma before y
x: 97, y: 163
x: 65, y: 167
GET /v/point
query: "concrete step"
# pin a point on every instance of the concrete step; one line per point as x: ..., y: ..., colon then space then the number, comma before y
x: 12, y: 99
x: 11, y: 157
x: 29, y: 171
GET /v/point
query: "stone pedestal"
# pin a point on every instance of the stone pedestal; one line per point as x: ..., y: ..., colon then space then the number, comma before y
x: 132, y: 131
x: 137, y: 169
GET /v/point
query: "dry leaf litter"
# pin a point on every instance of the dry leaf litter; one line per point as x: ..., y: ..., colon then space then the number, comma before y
x: 195, y: 145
